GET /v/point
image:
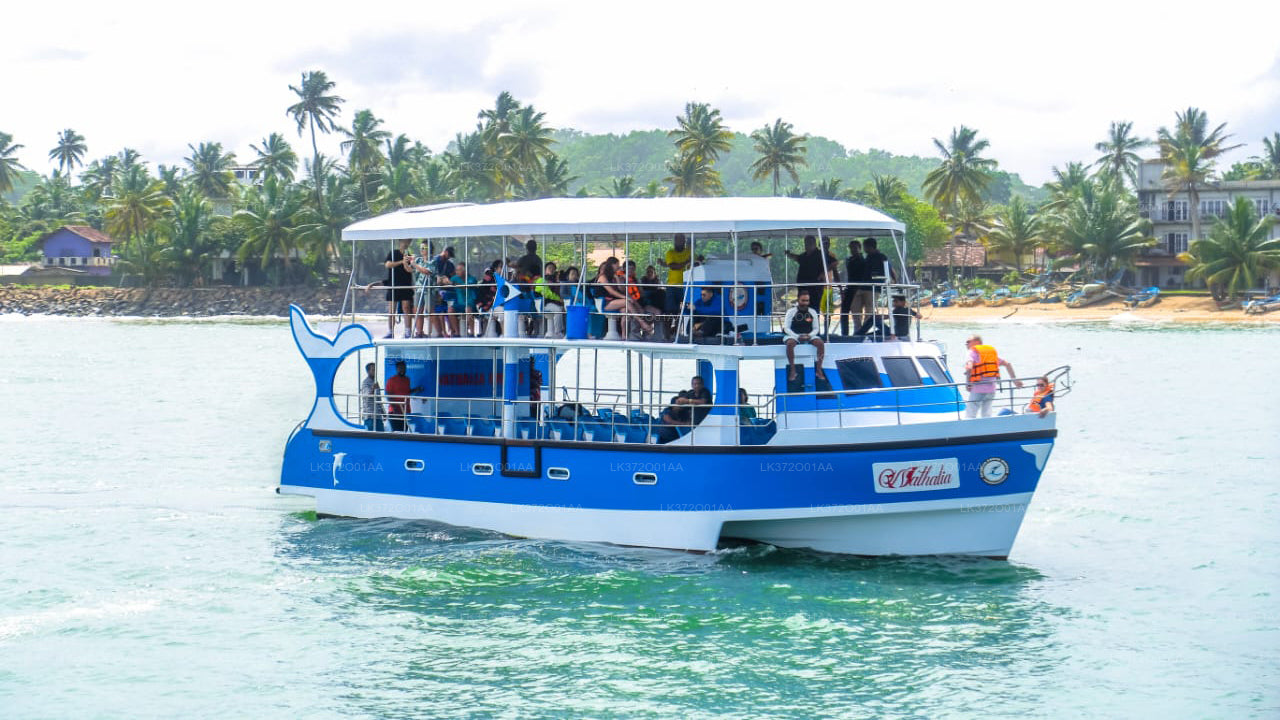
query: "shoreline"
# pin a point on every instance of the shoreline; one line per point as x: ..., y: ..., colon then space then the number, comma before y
x: 263, y: 303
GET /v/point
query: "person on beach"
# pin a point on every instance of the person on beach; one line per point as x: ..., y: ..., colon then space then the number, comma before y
x: 1042, y: 400
x: 983, y: 370
x: 799, y: 325
x: 398, y: 391
x: 370, y: 399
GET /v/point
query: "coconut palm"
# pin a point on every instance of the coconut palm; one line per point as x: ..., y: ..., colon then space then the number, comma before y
x: 400, y: 188
x: 147, y: 256
x: 1015, y: 231
x: 550, y: 179
x: 496, y: 121
x: 317, y: 108
x: 970, y: 219
x: 622, y: 187
x: 780, y: 150
x: 9, y: 165
x: 270, y: 220
x: 364, y: 149
x: 527, y: 142
x: 209, y: 170
x: 963, y: 174
x: 137, y: 202
x: 1119, y: 153
x: 319, y: 230
x: 188, y: 235
x: 171, y: 177
x: 691, y: 175
x: 1101, y: 225
x: 652, y: 189
x: 470, y: 169
x: 831, y: 190
x: 69, y: 151
x: 1238, y: 253
x: 97, y: 177
x: 884, y: 192
x: 1267, y: 165
x: 1188, y: 154
x: 276, y: 157
x: 1066, y: 182
x: 701, y: 133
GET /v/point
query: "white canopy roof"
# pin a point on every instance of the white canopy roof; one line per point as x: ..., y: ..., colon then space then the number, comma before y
x: 621, y: 216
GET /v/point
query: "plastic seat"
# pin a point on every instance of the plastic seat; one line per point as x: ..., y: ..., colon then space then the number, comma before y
x: 423, y: 425
x: 453, y: 426
x: 483, y: 427
x: 597, y: 431
x: 607, y: 415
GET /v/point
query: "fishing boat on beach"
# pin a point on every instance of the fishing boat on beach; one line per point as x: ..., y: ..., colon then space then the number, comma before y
x: 1262, y: 305
x: 998, y: 297
x: 681, y: 439
x: 1143, y: 298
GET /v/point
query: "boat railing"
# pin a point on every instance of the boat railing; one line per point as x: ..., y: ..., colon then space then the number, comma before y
x: 727, y: 313
x: 656, y: 422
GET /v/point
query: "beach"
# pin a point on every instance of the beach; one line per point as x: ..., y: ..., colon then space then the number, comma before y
x: 1178, y: 309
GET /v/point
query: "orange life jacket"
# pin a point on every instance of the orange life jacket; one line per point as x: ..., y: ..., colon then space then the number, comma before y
x: 988, y: 365
x: 633, y: 289
x: 1037, y: 400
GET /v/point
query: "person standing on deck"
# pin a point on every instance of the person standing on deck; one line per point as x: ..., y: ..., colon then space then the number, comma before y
x: 398, y: 391
x: 877, y: 264
x: 399, y: 287
x: 856, y: 298
x: 810, y: 277
x: 982, y: 371
x: 529, y: 265
x: 799, y: 325
x: 676, y: 261
x: 370, y: 399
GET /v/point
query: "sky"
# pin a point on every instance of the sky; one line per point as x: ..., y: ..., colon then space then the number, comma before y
x: 1040, y: 81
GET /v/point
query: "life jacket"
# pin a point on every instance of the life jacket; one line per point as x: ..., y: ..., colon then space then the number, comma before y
x: 802, y: 322
x: 988, y: 365
x: 1037, y: 400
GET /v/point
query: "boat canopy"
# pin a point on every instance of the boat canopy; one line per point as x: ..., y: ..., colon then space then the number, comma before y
x: 623, y: 216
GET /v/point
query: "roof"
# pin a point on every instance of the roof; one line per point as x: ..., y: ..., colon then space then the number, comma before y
x: 11, y: 270
x: 88, y: 233
x: 966, y: 255
x: 622, y: 216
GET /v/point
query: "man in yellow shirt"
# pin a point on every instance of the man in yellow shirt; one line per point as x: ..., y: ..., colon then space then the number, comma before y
x: 676, y: 261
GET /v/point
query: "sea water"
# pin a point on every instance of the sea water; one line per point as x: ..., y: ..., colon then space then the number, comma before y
x: 148, y: 569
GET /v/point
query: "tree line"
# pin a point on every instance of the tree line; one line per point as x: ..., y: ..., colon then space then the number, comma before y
x: 175, y: 223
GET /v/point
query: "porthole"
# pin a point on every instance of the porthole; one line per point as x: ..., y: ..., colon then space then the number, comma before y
x: 644, y: 478
x: 414, y: 465
x: 482, y: 469
x: 558, y: 473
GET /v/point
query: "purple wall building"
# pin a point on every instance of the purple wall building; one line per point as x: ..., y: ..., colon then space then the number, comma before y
x: 79, y: 247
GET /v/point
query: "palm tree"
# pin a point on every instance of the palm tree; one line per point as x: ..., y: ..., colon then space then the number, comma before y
x: 526, y: 142
x: 780, y: 150
x: 317, y: 108
x: 1015, y: 231
x: 147, y: 256
x: 69, y: 151
x: 470, y: 170
x: 1268, y: 163
x: 270, y: 221
x: 1066, y: 182
x: 963, y: 174
x: 364, y: 149
x: 969, y: 219
x: 831, y: 190
x: 188, y: 234
x: 319, y: 231
x: 884, y: 192
x: 622, y: 187
x: 1101, y: 224
x: 691, y: 175
x: 137, y: 202
x: 97, y: 177
x: 171, y: 177
x: 9, y: 165
x: 399, y: 189
x: 1237, y: 254
x: 1188, y: 154
x: 701, y: 133
x: 276, y: 157
x: 1119, y: 157
x: 652, y: 189
x: 497, y: 121
x: 210, y: 169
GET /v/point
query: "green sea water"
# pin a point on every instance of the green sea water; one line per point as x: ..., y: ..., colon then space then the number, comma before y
x: 148, y: 569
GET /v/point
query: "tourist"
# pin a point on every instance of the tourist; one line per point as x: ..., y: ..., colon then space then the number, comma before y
x: 856, y: 299
x: 809, y: 273
x: 709, y: 313
x: 423, y: 287
x: 529, y: 265
x: 676, y: 261
x: 370, y: 393
x: 636, y: 293
x: 983, y: 370
x: 551, y: 274
x: 571, y: 288
x: 902, y: 315
x: 398, y: 391
x: 877, y: 264
x: 654, y: 295
x: 615, y: 297
x: 699, y: 398
x: 758, y: 250
x: 399, y: 284
x: 552, y: 307
x: 444, y: 324
x: 746, y: 413
x: 464, y: 303
x: 798, y: 325
x: 1042, y: 400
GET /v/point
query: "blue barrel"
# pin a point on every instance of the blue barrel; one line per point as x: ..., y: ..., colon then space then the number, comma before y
x: 576, y: 322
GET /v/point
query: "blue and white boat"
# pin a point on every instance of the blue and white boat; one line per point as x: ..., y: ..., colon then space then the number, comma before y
x: 580, y: 438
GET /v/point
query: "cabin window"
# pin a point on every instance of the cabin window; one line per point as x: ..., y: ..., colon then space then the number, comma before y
x: 901, y: 371
x: 859, y: 374
x: 934, y: 370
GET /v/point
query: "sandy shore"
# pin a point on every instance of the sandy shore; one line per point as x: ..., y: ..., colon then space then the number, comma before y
x: 1169, y: 309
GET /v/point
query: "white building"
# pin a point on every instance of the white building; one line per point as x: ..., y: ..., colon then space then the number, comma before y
x: 1170, y: 216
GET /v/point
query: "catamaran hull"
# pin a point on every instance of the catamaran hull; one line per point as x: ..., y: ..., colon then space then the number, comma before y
x: 969, y: 499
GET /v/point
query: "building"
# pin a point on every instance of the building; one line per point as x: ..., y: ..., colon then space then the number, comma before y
x: 78, y: 247
x: 247, y: 174
x: 1170, y: 216
x: 970, y: 261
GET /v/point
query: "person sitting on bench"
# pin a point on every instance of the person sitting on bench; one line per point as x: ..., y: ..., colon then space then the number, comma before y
x: 708, y: 314
x: 798, y: 325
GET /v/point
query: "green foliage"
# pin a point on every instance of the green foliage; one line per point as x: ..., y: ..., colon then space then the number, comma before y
x: 1238, y: 254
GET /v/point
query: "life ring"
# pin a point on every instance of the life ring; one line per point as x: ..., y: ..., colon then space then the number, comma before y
x: 740, y: 297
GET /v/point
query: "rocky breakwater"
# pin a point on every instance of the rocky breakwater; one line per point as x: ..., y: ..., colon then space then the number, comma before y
x: 178, y: 302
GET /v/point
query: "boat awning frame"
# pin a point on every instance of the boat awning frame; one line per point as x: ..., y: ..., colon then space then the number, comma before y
x: 623, y: 216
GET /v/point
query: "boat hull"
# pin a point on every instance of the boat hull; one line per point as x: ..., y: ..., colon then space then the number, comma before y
x: 969, y: 500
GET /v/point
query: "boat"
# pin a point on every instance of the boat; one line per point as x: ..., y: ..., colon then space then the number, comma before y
x: 945, y: 296
x: 998, y: 297
x: 1028, y: 295
x: 1143, y: 298
x: 972, y: 298
x: 1262, y: 305
x: 579, y: 438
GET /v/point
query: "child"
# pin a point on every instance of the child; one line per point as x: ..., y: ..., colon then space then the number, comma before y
x: 902, y: 317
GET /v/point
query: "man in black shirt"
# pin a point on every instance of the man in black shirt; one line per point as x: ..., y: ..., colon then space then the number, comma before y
x: 529, y: 266
x: 876, y: 263
x: 810, y: 277
x: 399, y: 287
x: 855, y: 299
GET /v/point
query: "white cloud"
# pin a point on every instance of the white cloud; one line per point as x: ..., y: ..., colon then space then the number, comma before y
x: 1041, y: 82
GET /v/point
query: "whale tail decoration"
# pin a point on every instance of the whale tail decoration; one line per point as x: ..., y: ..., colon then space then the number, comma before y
x: 313, y: 345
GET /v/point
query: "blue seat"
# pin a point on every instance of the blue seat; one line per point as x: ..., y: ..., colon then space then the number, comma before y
x: 483, y: 427
x: 420, y: 424
x: 453, y: 426
x: 607, y: 415
x: 635, y: 433
x: 597, y: 431
x: 640, y: 416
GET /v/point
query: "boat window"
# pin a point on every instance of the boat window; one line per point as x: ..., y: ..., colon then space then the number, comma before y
x: 935, y: 371
x: 558, y: 473
x: 415, y: 465
x: 859, y: 373
x: 901, y: 371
